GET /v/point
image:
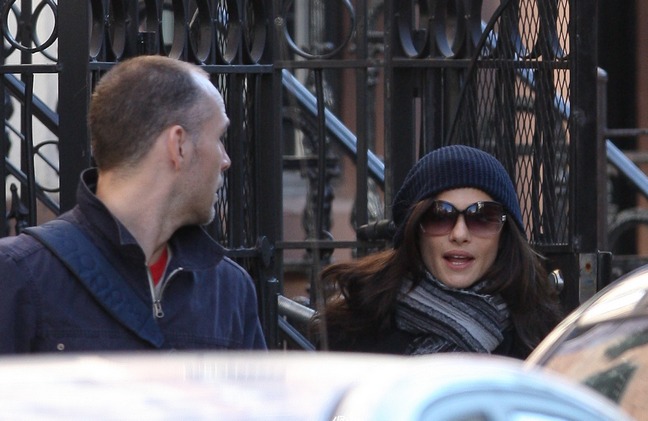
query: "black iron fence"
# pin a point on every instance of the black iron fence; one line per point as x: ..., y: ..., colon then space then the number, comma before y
x: 330, y: 91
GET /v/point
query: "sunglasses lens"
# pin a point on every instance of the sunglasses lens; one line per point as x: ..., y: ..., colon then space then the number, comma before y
x: 439, y: 219
x: 485, y: 218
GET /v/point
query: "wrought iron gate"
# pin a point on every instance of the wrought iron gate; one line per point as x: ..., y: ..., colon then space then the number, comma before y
x: 311, y: 86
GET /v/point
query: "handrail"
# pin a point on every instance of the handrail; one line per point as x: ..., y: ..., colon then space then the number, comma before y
x: 45, y: 115
x: 334, y: 126
x: 294, y: 310
x: 628, y: 168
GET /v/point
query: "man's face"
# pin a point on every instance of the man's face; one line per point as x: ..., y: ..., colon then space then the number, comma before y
x: 209, y: 162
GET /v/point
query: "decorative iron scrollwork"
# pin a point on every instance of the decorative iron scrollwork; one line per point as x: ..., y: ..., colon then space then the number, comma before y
x: 27, y: 25
x: 207, y: 32
x: 317, y: 53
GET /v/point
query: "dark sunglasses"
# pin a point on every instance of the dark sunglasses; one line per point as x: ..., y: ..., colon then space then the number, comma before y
x: 483, y: 219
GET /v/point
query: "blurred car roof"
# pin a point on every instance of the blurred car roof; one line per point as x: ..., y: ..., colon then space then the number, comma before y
x: 603, y: 344
x: 289, y: 386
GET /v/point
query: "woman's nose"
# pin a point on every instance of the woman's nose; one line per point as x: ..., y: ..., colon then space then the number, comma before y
x: 460, y: 232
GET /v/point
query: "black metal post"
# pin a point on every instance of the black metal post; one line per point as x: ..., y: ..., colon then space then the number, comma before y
x: 74, y: 97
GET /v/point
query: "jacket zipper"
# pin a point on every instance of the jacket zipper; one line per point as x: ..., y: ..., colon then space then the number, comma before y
x: 156, y: 293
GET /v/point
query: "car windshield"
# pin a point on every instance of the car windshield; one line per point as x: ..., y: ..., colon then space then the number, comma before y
x: 610, y: 357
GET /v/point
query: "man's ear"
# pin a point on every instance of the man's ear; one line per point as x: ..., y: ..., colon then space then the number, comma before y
x: 177, y: 143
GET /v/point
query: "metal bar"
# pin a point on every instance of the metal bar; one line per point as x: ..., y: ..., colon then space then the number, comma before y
x: 268, y: 150
x: 322, y: 244
x: 236, y: 199
x: 294, y: 310
x: 321, y: 151
x: 29, y: 68
x: 316, y: 290
x: 5, y: 142
x: 74, y: 95
x: 583, y: 131
x: 602, y: 177
x: 362, y: 120
x: 27, y: 150
x: 328, y: 64
x: 270, y: 312
x: 625, y: 132
x: 294, y: 335
x: 465, y: 63
x: 242, y: 69
x: 629, y: 169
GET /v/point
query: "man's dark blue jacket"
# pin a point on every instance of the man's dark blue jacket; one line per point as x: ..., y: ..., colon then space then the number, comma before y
x: 208, y: 302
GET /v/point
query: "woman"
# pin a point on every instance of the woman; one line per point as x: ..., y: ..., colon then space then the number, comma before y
x: 461, y: 275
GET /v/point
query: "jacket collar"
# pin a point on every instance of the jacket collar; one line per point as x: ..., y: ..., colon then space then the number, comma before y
x: 192, y: 248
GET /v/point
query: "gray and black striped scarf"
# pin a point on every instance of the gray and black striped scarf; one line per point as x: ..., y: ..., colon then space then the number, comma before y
x: 450, y: 320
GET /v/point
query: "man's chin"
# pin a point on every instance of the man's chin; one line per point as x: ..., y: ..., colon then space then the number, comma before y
x: 209, y: 220
x: 203, y: 219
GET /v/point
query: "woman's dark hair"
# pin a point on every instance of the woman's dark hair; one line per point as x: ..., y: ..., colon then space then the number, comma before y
x: 367, y: 288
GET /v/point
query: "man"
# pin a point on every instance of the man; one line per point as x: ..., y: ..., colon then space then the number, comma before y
x: 156, y: 126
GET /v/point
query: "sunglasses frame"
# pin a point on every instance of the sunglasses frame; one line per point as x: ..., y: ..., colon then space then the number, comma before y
x: 477, y: 227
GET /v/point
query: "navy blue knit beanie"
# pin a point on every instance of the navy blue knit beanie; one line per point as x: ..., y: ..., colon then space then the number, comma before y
x: 453, y: 167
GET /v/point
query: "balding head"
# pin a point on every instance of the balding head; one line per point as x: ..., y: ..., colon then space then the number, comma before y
x: 138, y: 99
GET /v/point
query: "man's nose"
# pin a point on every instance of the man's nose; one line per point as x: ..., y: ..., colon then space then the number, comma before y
x: 227, y: 162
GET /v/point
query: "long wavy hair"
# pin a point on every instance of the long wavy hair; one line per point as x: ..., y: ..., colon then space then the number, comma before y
x: 366, y: 289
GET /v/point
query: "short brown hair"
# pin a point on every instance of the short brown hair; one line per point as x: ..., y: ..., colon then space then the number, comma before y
x: 135, y: 101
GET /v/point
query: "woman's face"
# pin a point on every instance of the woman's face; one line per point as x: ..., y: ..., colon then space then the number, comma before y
x: 459, y: 258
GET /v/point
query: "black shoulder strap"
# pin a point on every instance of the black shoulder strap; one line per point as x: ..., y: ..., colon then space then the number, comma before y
x: 67, y: 242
